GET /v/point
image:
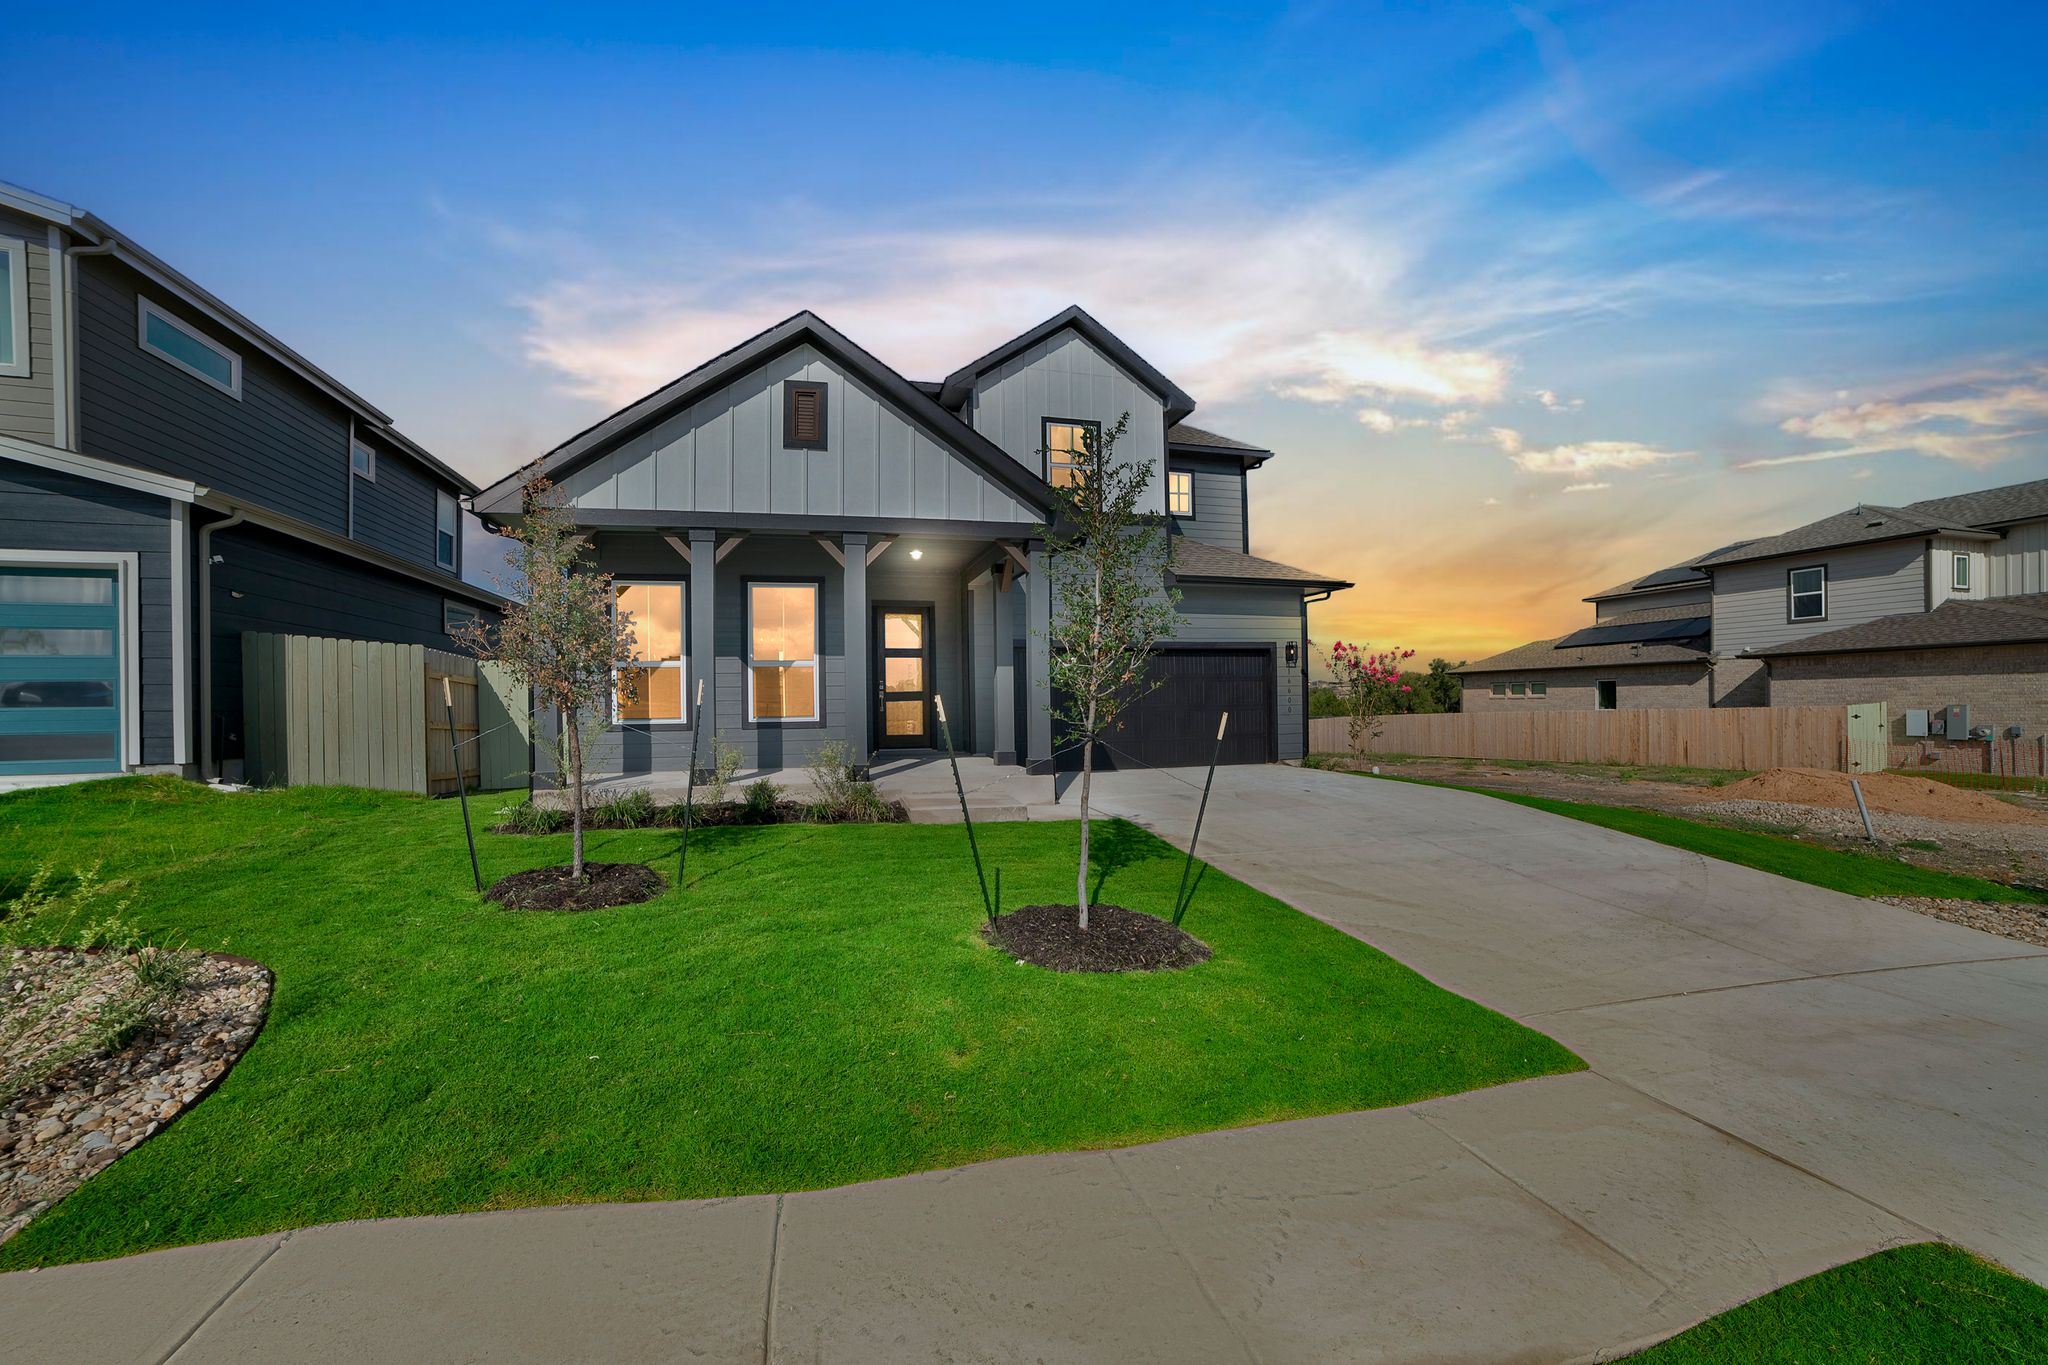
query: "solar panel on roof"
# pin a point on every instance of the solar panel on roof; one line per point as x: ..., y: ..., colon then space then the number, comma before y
x: 1678, y: 574
x: 1637, y: 632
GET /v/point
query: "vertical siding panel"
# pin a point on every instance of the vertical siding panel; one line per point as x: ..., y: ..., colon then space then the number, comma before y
x: 750, y: 453
x: 897, y: 475
x: 860, y: 481
x: 714, y: 453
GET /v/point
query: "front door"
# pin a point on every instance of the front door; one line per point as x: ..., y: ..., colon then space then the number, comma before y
x: 903, y: 676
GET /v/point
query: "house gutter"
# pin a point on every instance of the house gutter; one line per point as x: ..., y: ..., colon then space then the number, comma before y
x: 209, y: 767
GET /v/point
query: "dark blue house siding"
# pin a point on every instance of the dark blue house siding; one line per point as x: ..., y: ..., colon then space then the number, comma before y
x: 44, y: 510
x: 395, y: 511
x: 271, y: 582
x: 284, y: 445
x: 1219, y: 517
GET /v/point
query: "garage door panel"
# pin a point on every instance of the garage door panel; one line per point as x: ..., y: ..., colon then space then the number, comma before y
x: 60, y: 671
x: 1174, y: 725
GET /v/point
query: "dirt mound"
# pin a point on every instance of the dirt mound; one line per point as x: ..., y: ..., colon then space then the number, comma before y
x: 1892, y: 793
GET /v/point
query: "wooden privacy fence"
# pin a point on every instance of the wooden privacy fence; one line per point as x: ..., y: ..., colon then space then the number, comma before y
x: 1750, y: 737
x: 365, y: 713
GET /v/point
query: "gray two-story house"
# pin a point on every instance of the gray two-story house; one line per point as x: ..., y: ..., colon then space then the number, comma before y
x: 835, y: 549
x: 172, y: 475
x: 1922, y: 606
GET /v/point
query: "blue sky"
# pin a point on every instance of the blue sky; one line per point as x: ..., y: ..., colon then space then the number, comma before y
x: 1530, y: 299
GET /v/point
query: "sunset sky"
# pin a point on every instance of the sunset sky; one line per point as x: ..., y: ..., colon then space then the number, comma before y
x: 1529, y: 299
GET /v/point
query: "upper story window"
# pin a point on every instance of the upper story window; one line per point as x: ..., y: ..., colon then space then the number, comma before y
x: 181, y: 345
x: 1064, y: 445
x: 652, y: 687
x: 782, y: 652
x: 362, y: 461
x: 1806, y: 593
x: 1180, y: 493
x: 804, y: 415
x: 1959, y: 571
x: 14, y: 359
x: 447, y: 528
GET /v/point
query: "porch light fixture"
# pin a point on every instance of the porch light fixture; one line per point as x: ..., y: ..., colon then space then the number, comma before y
x: 917, y: 554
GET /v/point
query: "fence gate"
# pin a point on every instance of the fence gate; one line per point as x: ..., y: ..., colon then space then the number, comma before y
x: 1869, y: 748
x: 460, y: 674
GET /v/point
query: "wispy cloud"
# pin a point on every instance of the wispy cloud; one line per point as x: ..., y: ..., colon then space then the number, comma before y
x: 1552, y: 403
x: 1586, y: 487
x: 1975, y: 422
x: 1591, y: 457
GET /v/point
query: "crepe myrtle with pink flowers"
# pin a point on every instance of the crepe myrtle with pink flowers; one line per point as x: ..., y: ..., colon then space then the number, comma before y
x: 1366, y: 681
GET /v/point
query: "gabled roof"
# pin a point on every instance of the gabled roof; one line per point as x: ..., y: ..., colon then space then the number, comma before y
x: 1194, y: 440
x: 959, y: 383
x: 1991, y: 507
x: 377, y: 423
x: 1956, y: 623
x: 1864, y: 525
x: 1196, y: 561
x: 1546, y: 654
x: 804, y: 327
x: 1684, y: 574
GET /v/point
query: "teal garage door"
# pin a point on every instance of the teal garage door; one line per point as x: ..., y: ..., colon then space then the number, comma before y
x: 60, y: 671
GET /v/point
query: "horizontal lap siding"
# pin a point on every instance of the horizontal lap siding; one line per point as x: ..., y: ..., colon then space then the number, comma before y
x: 1065, y: 376
x: 1864, y: 583
x: 44, y: 510
x: 1702, y: 597
x: 1219, y: 517
x: 284, y: 445
x: 1256, y: 616
x: 27, y: 402
x: 395, y: 511
x: 1577, y: 689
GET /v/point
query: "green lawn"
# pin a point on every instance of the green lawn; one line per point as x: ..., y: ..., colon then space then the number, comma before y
x: 817, y: 1008
x: 1859, y: 874
x: 1917, y: 1305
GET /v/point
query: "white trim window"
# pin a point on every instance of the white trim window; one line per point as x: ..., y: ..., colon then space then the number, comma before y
x: 14, y: 350
x: 1959, y: 571
x: 176, y: 342
x: 653, y: 687
x: 456, y: 616
x: 362, y: 460
x: 782, y: 653
x: 1180, y: 492
x: 1806, y: 594
x: 447, y: 528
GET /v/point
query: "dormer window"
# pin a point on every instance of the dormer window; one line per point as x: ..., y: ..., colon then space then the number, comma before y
x: 1065, y: 444
x: 1180, y: 493
x: 803, y: 415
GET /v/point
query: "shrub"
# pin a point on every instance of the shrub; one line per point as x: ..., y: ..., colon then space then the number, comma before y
x: 832, y: 779
x: 762, y: 797
x: 528, y: 818
x: 725, y: 761
x: 625, y: 810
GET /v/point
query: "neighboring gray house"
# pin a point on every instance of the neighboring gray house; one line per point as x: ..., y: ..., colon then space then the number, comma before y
x: 833, y: 548
x: 1922, y: 606
x: 172, y: 475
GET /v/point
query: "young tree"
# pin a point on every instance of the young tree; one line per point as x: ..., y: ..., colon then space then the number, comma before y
x: 561, y: 636
x: 1110, y: 602
x: 1369, y: 685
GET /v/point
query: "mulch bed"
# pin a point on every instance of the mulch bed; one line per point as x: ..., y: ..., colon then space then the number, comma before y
x: 1117, y: 940
x: 603, y: 885
x: 727, y: 813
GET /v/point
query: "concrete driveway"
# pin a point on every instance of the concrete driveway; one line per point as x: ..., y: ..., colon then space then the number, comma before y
x: 1783, y: 1079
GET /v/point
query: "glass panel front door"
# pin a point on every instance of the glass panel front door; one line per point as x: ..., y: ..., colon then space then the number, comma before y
x: 903, y: 696
x: 60, y: 671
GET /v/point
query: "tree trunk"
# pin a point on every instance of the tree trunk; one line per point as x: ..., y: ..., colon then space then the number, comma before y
x: 575, y: 798
x: 1087, y: 779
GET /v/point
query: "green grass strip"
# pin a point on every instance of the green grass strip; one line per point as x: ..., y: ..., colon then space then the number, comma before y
x: 1915, y: 1305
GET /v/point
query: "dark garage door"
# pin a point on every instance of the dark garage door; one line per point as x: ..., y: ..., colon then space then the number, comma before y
x: 1174, y: 726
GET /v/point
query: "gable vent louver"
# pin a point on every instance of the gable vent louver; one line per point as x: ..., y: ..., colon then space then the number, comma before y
x: 803, y: 416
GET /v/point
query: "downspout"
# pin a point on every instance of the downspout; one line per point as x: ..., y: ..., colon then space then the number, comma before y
x: 209, y: 766
x: 70, y: 307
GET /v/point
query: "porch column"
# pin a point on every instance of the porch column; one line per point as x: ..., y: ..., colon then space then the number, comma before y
x: 1004, y: 658
x: 703, y: 638
x: 1037, y: 658
x: 859, y: 704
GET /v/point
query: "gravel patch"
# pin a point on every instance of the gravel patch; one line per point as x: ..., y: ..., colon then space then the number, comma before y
x: 2022, y: 923
x: 54, y: 1136
x: 1893, y: 829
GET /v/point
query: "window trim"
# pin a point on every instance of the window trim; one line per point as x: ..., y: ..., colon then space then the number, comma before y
x: 1792, y: 617
x: 369, y: 474
x: 1959, y: 571
x: 790, y: 388
x: 748, y: 663
x: 1188, y: 476
x: 1499, y: 689
x: 450, y: 604
x: 22, y: 366
x: 1539, y: 689
x: 443, y: 497
x: 1613, y: 683
x: 1045, y: 426
x: 145, y: 309
x: 682, y: 722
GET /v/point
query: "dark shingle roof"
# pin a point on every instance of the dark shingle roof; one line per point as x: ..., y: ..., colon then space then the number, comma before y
x: 1200, y: 561
x: 1181, y: 434
x: 1541, y: 654
x: 1992, y: 507
x: 1956, y: 623
x: 1964, y: 513
x: 1684, y: 574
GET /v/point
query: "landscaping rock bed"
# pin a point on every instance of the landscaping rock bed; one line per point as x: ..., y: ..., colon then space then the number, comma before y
x: 1117, y: 940
x: 603, y: 885
x: 2024, y: 923
x: 55, y: 1135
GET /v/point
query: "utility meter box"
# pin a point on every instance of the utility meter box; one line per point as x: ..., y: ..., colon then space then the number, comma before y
x: 1916, y: 723
x: 1957, y: 719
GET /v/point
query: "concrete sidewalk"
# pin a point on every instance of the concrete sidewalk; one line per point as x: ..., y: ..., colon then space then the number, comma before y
x: 1784, y: 1078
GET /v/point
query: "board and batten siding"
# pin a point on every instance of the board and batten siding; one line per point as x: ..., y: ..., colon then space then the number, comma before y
x: 41, y: 509
x: 1219, y: 517
x: 27, y: 404
x: 724, y: 453
x: 1865, y: 582
x: 282, y: 445
x: 2017, y: 564
x: 1064, y: 376
x: 1677, y: 597
x: 1221, y: 615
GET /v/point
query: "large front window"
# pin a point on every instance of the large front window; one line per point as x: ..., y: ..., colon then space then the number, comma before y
x: 1065, y: 443
x: 782, y: 651
x: 651, y: 687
